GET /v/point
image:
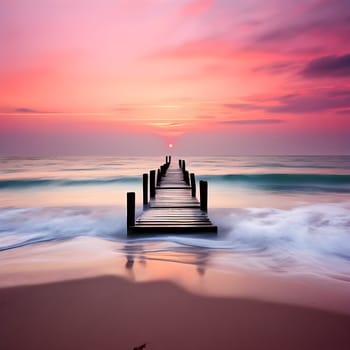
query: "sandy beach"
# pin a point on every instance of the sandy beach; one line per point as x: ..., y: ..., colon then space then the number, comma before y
x: 122, y: 303
x: 112, y: 313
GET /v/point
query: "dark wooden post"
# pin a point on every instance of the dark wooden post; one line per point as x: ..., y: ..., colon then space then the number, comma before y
x: 145, y: 188
x: 187, y: 177
x: 180, y: 163
x: 158, y: 177
x: 166, y: 159
x: 203, y: 189
x: 130, y: 211
x: 193, y: 185
x: 169, y: 159
x: 152, y: 184
x: 183, y: 166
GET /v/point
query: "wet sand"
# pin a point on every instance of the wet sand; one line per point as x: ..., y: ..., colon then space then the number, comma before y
x: 112, y: 313
x: 95, y: 294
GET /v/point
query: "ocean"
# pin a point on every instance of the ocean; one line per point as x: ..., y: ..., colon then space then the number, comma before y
x: 283, y: 214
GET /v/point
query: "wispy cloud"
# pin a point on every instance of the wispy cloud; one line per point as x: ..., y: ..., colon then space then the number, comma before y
x: 320, y: 19
x: 344, y: 111
x: 252, y: 121
x: 244, y: 106
x: 277, y: 67
x: 29, y: 111
x: 314, y: 101
x: 26, y: 110
x: 328, y: 66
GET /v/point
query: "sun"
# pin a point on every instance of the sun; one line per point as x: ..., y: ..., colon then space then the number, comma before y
x: 170, y: 145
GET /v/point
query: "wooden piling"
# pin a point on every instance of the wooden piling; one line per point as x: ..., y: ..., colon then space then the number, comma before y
x: 203, y: 189
x: 187, y: 177
x: 162, y: 170
x: 169, y: 158
x: 152, y: 184
x: 130, y: 211
x: 180, y: 163
x: 145, y: 188
x: 183, y: 166
x: 158, y: 177
x: 193, y: 185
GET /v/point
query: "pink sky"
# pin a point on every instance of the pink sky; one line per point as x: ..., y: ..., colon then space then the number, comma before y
x: 211, y: 76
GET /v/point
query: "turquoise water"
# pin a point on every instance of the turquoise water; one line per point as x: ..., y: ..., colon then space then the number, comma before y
x: 284, y: 213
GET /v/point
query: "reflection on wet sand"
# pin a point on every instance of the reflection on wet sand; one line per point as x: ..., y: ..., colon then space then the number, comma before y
x: 130, y: 262
x: 202, y: 260
x: 198, y: 257
x: 132, y: 252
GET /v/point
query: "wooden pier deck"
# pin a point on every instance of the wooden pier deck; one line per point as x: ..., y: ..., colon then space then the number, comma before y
x: 173, y: 206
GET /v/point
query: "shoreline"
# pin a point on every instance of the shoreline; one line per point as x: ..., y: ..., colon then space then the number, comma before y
x: 85, y: 258
x: 113, y: 313
x: 92, y: 294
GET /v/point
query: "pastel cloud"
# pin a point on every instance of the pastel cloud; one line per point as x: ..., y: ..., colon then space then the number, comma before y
x: 321, y: 20
x: 328, y: 66
x: 277, y: 67
x: 253, y: 121
x: 344, y: 111
x: 26, y: 110
x: 314, y: 101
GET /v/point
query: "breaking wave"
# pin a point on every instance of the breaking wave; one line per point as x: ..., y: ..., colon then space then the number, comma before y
x: 276, y: 182
x: 307, y: 237
x: 290, y: 182
x: 23, y: 183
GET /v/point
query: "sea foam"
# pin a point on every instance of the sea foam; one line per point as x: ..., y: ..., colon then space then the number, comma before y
x: 305, y: 238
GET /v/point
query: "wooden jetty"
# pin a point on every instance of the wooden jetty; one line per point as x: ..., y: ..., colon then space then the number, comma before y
x: 173, y: 206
